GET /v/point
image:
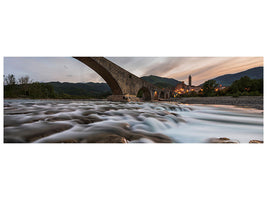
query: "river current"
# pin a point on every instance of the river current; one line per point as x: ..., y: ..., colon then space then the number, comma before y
x: 57, y: 121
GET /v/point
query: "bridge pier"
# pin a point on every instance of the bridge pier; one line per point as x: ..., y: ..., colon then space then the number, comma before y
x: 134, y: 98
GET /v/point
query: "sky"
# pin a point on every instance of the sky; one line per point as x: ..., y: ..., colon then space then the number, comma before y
x: 68, y: 69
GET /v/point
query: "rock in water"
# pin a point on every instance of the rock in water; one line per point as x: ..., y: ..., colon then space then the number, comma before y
x: 222, y: 140
x: 256, y: 141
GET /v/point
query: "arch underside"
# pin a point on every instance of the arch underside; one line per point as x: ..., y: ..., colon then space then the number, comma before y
x: 162, y: 95
x: 106, y: 75
x: 144, y: 93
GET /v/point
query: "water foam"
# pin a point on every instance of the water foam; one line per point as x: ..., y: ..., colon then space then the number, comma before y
x: 84, y: 121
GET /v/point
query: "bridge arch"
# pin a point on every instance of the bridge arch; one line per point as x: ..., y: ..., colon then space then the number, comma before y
x: 166, y: 95
x: 104, y: 73
x: 170, y: 94
x: 144, y: 93
x: 124, y: 85
x: 155, y: 95
x: 161, y: 96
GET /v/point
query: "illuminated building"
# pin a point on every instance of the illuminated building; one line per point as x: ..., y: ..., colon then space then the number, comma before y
x: 182, y: 88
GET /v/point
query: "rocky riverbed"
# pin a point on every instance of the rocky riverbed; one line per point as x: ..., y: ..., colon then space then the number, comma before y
x: 243, y: 101
x: 65, y: 121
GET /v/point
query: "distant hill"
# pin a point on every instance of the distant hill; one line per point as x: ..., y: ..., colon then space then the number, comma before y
x: 85, y: 90
x: 160, y: 81
x: 101, y: 90
x: 228, y: 79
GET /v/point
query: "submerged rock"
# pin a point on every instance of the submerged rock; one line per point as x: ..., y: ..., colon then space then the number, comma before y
x: 222, y: 140
x: 109, y: 135
x: 114, y: 122
x: 142, y: 140
x: 32, y: 132
x: 13, y: 140
x: 120, y: 135
x: 104, y: 138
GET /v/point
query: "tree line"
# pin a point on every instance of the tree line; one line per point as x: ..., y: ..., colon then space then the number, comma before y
x: 24, y: 87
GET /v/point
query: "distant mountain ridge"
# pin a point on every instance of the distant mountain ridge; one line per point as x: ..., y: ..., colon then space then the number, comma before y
x: 161, y: 82
x: 97, y: 90
x: 90, y: 89
x: 228, y: 79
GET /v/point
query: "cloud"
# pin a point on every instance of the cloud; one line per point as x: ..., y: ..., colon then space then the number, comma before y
x: 50, y: 69
x: 136, y: 65
x: 201, y: 68
x: 68, y: 69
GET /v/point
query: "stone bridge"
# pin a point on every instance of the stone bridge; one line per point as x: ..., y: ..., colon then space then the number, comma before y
x: 124, y: 85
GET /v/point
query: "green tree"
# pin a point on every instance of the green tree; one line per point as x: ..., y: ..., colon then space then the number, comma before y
x: 24, y: 80
x: 246, y: 86
x: 209, y: 88
x: 10, y: 79
x: 24, y: 83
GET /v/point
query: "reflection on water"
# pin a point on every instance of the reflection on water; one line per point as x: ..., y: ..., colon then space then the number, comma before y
x: 102, y: 121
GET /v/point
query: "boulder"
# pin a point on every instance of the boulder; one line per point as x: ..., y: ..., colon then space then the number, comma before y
x: 222, y: 140
x: 256, y: 141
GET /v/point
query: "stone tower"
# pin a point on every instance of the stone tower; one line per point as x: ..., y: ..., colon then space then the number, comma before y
x: 190, y: 80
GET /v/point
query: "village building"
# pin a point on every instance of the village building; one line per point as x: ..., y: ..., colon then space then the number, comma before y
x: 182, y: 88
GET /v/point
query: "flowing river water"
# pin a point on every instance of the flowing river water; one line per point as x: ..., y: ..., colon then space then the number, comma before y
x: 57, y: 121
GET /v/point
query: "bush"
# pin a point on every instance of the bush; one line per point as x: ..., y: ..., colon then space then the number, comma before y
x: 237, y: 94
x: 209, y: 88
x: 245, y: 93
x: 255, y: 93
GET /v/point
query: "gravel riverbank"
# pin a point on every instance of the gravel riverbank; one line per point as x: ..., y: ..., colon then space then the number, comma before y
x: 243, y: 101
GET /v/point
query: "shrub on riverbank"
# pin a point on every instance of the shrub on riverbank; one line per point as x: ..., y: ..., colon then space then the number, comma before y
x: 34, y: 90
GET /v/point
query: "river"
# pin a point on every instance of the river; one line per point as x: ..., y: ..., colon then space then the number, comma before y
x: 57, y: 121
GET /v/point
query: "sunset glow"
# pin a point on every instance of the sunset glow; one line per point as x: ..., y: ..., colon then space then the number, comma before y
x: 67, y: 69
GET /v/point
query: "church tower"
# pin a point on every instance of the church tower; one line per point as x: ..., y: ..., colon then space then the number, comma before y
x: 190, y: 80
